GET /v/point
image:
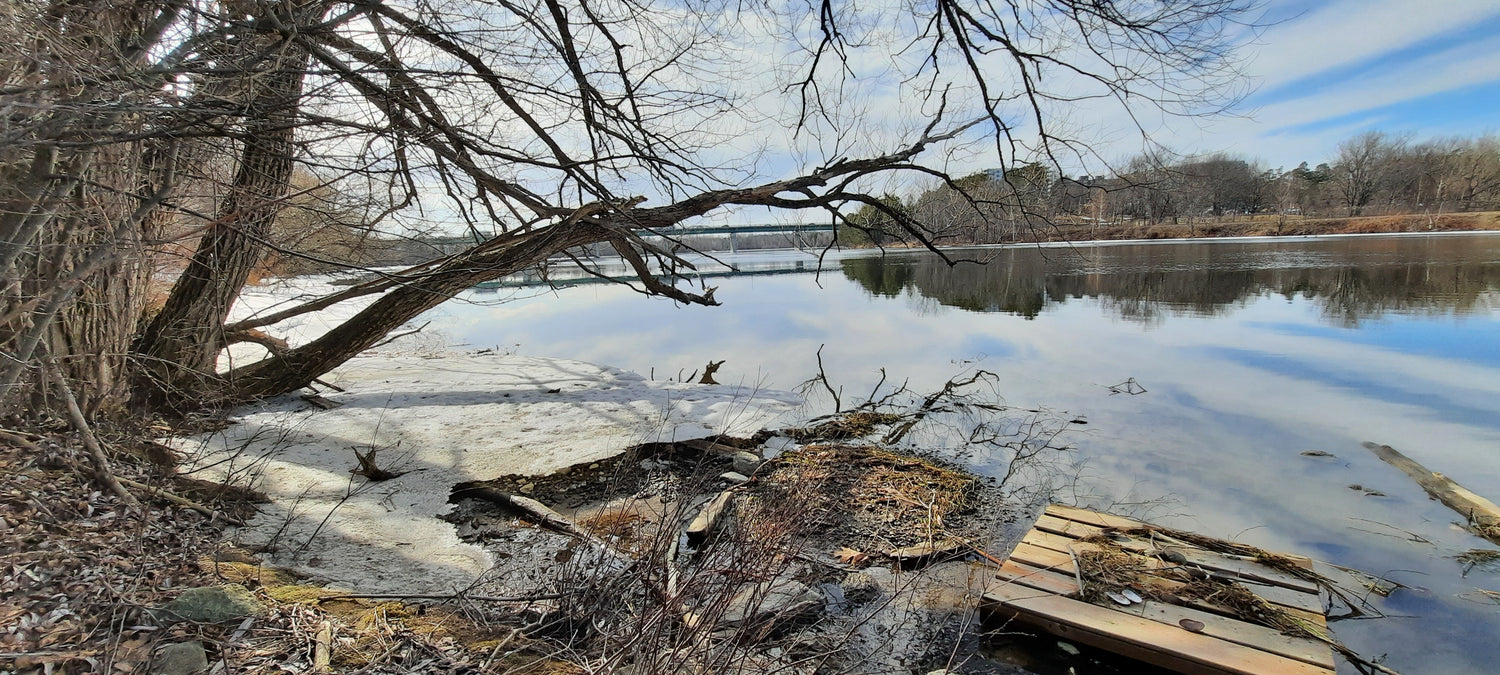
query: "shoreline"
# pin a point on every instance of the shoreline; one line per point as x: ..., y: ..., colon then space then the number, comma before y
x: 437, y: 421
x: 1238, y: 238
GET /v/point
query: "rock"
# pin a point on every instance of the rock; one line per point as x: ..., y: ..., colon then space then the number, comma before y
x: 768, y: 601
x: 859, y: 587
x: 704, y: 522
x: 833, y: 596
x: 736, y: 478
x: 237, y: 555
x: 182, y: 658
x: 528, y: 488
x: 212, y: 604
x: 1068, y: 648
x: 942, y: 548
x: 747, y: 462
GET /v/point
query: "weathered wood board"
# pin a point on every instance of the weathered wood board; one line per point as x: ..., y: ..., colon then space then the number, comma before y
x: 1038, y: 585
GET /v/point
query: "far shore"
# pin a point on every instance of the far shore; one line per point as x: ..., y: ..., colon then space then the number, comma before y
x: 1257, y: 228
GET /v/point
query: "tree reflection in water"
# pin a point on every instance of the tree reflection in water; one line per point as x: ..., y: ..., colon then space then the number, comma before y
x: 1352, y: 280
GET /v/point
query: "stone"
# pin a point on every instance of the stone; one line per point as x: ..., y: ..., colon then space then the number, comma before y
x: 859, y: 587
x: 707, y: 518
x: 768, y: 601
x: 931, y: 549
x: 1067, y: 648
x: 746, y: 462
x: 833, y: 596
x: 736, y: 478
x: 211, y: 604
x: 182, y: 658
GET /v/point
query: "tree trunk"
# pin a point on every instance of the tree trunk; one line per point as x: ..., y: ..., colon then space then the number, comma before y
x: 297, y: 367
x: 72, y: 197
x: 179, y: 349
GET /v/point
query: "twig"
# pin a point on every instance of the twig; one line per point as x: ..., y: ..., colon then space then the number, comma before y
x: 1077, y: 570
x: 398, y: 336
x: 450, y: 596
x: 182, y: 501
x: 323, y: 648
x: 20, y: 440
x: 101, y: 461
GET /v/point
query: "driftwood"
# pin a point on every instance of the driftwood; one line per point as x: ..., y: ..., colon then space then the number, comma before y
x: 708, y: 372
x: 703, y: 524
x: 1483, y: 515
x: 181, y: 501
x: 102, y: 471
x: 537, y: 511
x: 369, y: 469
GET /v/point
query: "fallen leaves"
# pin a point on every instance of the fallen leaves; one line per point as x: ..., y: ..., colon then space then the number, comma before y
x: 849, y: 556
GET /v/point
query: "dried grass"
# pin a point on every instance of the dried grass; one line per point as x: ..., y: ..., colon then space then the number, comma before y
x: 874, y: 493
x: 858, y: 424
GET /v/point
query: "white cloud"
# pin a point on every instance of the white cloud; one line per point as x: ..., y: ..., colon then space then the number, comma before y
x: 1352, y: 31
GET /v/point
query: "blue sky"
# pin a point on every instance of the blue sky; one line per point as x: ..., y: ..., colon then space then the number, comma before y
x: 1323, y: 71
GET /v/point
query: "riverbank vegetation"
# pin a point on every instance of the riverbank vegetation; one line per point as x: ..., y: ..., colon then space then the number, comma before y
x: 1378, y: 183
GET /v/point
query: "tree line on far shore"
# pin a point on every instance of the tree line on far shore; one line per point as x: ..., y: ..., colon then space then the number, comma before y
x: 1374, y: 173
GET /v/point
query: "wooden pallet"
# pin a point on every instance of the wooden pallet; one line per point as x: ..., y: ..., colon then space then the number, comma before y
x: 1038, y: 585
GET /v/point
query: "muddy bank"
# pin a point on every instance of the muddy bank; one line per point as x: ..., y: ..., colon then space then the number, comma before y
x: 842, y: 555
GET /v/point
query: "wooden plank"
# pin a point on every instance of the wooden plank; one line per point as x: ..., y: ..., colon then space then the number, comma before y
x: 1065, y: 527
x: 1055, y: 542
x: 1304, y: 605
x: 1099, y: 519
x: 1239, y: 632
x: 1140, y: 638
x: 1224, y: 628
x: 1240, y: 569
x: 1094, y: 518
x: 1058, y: 583
x: 1038, y: 556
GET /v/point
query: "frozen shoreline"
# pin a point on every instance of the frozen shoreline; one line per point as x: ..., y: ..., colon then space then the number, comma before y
x: 443, y: 418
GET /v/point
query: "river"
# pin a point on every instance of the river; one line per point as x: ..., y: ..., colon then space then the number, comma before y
x: 1249, y: 352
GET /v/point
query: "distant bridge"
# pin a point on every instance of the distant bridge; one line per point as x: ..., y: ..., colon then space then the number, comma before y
x: 454, y: 244
x: 733, y: 230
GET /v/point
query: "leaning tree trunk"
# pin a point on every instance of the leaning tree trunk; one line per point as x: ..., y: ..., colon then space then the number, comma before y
x: 296, y: 368
x: 178, y: 350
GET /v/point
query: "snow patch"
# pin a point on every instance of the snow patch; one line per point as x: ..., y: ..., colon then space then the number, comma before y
x: 442, y: 418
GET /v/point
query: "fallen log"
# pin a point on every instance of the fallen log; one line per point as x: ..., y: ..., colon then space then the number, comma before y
x: 535, y: 510
x: 1482, y: 515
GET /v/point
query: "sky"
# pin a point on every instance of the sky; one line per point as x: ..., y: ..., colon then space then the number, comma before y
x: 1315, y: 73
x: 1324, y: 71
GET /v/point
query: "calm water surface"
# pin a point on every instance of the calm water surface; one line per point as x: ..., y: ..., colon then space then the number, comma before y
x: 1250, y: 352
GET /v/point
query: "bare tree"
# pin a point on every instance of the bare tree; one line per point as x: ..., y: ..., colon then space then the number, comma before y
x: 539, y: 126
x: 1364, y: 164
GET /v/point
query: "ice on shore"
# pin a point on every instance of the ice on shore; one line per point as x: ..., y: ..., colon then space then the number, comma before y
x: 442, y: 418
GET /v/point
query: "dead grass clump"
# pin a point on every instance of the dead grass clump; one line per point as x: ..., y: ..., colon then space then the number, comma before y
x: 1275, y: 561
x: 1482, y: 558
x: 873, y: 497
x: 856, y: 424
x: 1106, y: 571
x: 1249, y: 607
